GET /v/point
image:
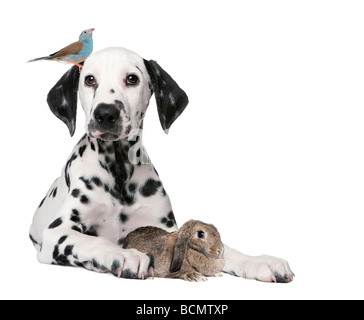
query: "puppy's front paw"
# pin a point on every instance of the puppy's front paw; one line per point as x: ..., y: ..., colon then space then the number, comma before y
x: 268, y: 269
x: 124, y: 263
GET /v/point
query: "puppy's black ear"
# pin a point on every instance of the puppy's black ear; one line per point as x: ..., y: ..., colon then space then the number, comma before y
x: 171, y: 99
x: 62, y: 99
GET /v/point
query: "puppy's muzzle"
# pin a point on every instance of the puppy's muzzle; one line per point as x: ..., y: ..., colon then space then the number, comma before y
x: 107, y: 121
x: 107, y: 115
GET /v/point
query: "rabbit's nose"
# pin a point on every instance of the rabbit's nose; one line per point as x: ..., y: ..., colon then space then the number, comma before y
x: 219, y: 253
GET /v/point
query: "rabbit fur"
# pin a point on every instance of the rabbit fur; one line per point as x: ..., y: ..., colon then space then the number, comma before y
x: 191, y: 253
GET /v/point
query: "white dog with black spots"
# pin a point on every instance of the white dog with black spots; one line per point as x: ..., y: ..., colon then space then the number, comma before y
x: 108, y: 186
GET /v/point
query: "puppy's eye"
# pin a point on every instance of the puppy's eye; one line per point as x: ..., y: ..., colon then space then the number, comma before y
x: 132, y: 80
x: 90, y: 81
x: 201, y: 234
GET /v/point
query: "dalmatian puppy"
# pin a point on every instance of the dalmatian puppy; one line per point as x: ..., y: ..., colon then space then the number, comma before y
x: 108, y: 186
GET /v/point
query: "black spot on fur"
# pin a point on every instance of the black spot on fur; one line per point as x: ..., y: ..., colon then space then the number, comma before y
x: 170, y: 224
x: 91, y: 232
x: 100, y: 146
x: 75, y: 216
x: 150, y: 187
x: 68, y: 165
x: 103, y: 166
x: 280, y: 278
x: 106, y: 187
x: 169, y: 220
x: 55, y: 223
x: 76, y: 229
x: 62, y: 239
x: 84, y: 199
x: 114, y: 267
x: 120, y: 172
x: 120, y: 241
x: 79, y: 264
x: 68, y: 250
x: 33, y: 240
x: 55, y: 252
x: 81, y: 150
x: 87, y: 183
x: 62, y: 258
x: 125, y: 197
x: 132, y: 187
x: 67, y: 179
x: 75, y: 193
x: 41, y: 203
x: 79, y: 226
x: 97, y: 265
x: 97, y: 181
x: 123, y: 217
x: 171, y: 216
x: 53, y: 192
x: 128, y: 274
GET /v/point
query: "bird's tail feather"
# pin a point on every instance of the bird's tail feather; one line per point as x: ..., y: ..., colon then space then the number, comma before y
x: 41, y: 58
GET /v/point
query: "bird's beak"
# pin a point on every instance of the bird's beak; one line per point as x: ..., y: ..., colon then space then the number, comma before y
x: 90, y: 30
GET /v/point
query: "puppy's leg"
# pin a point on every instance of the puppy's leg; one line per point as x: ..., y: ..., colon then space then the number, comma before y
x: 64, y: 246
x: 263, y: 268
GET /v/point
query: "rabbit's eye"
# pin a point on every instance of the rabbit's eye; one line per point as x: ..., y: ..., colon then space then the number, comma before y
x: 201, y: 234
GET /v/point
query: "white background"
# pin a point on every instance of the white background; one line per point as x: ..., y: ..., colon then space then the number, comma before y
x: 270, y: 148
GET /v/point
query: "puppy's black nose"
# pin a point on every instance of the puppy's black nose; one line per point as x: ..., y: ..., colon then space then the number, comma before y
x: 106, y: 115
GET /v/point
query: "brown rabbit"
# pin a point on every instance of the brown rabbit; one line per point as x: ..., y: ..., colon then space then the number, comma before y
x: 191, y: 253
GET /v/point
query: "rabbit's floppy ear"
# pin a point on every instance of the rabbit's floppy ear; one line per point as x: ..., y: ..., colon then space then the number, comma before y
x: 179, y: 253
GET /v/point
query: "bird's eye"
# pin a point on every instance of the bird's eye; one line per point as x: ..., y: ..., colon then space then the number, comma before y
x: 132, y: 80
x: 90, y: 81
x: 201, y: 234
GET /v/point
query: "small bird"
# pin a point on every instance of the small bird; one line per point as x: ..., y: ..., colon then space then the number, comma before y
x: 75, y: 53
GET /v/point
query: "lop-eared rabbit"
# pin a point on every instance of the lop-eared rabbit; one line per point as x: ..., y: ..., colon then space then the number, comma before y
x: 191, y: 253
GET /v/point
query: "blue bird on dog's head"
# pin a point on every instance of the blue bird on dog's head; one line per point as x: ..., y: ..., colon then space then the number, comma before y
x: 75, y: 53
